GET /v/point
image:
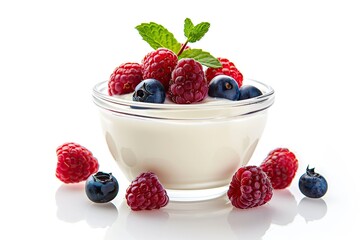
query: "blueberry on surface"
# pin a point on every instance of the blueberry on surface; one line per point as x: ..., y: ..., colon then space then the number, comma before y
x: 101, y: 187
x: 149, y: 90
x: 248, y: 91
x: 223, y: 86
x: 312, y: 184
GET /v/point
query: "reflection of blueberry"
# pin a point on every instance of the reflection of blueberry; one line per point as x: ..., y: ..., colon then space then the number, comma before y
x: 223, y: 86
x: 101, y: 187
x: 101, y: 215
x: 149, y: 90
x: 248, y: 91
x: 312, y: 184
x: 312, y: 209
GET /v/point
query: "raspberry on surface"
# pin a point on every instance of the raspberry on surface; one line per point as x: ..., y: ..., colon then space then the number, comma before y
x: 281, y: 166
x: 146, y: 193
x: 75, y: 163
x: 228, y: 68
x: 125, y: 78
x: 159, y: 64
x: 188, y: 83
x: 249, y: 187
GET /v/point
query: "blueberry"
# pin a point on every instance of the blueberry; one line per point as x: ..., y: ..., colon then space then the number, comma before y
x: 101, y: 187
x: 248, y: 91
x: 223, y: 86
x: 312, y: 184
x: 149, y: 90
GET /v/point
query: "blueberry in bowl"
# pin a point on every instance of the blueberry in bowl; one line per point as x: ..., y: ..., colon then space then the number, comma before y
x: 223, y: 86
x: 149, y: 90
x: 249, y: 91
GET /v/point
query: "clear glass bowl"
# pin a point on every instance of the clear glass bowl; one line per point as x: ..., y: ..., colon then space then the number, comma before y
x: 194, y: 149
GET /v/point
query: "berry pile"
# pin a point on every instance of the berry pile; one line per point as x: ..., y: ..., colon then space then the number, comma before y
x: 186, y: 75
x: 251, y: 186
x: 77, y: 164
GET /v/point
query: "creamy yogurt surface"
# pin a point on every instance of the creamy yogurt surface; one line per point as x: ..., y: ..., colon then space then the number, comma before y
x: 207, y: 100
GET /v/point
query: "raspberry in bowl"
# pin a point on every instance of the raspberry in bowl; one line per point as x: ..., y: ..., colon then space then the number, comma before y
x: 194, y: 149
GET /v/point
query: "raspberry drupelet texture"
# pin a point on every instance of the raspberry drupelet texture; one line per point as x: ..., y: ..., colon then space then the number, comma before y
x: 249, y: 187
x: 146, y: 193
x: 188, y: 83
x: 228, y: 68
x: 125, y: 78
x: 281, y: 166
x: 159, y: 64
x: 75, y: 163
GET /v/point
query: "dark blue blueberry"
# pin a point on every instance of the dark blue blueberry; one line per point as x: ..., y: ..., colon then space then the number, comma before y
x: 312, y: 184
x: 223, y: 86
x: 149, y: 90
x: 248, y: 91
x: 101, y: 187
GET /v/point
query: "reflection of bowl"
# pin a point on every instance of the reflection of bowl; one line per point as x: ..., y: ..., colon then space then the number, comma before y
x: 193, y: 149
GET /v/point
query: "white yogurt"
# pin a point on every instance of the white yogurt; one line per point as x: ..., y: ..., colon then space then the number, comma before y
x: 188, y: 147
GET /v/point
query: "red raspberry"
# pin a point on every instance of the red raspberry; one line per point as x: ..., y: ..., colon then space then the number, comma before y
x: 75, y: 163
x: 228, y: 68
x: 188, y: 83
x: 125, y: 78
x: 281, y: 166
x: 146, y: 193
x: 159, y: 64
x: 249, y: 187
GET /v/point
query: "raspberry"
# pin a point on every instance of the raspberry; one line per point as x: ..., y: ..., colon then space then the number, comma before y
x: 228, y: 68
x: 188, y: 84
x: 158, y: 65
x: 146, y: 193
x: 281, y: 166
x: 75, y: 163
x: 125, y: 78
x: 249, y: 187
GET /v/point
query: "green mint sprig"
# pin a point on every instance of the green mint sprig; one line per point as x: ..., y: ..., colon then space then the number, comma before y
x: 158, y: 36
x: 202, y: 57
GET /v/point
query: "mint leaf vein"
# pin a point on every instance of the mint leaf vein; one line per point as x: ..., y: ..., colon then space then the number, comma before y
x: 158, y: 36
x: 205, y: 58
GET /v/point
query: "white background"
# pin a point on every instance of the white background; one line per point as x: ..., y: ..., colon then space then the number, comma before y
x: 53, y: 52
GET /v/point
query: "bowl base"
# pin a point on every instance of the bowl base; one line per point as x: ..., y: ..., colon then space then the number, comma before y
x: 196, y: 195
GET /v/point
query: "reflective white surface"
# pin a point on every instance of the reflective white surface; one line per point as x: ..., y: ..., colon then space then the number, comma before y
x: 53, y: 52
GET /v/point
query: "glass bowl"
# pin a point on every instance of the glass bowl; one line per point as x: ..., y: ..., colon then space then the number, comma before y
x: 194, y: 149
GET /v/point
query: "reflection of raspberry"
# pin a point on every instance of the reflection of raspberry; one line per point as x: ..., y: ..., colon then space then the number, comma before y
x: 146, y: 193
x: 188, y: 84
x: 159, y: 64
x: 75, y: 163
x: 228, y: 68
x: 249, y: 187
x: 125, y: 78
x: 281, y: 166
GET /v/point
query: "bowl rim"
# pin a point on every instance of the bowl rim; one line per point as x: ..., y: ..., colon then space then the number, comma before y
x: 100, y: 92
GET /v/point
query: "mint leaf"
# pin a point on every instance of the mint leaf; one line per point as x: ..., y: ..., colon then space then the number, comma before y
x: 198, y: 31
x: 188, y: 27
x: 202, y: 57
x: 158, y: 36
